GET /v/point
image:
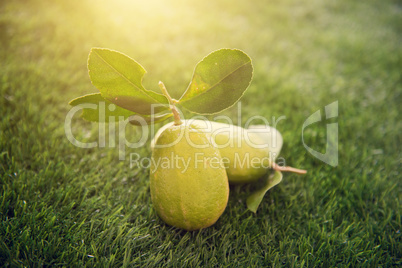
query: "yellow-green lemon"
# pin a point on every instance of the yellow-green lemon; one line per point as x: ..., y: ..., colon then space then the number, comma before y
x: 246, y: 153
x: 189, y: 184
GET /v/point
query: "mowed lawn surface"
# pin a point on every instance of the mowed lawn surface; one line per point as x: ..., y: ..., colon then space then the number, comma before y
x: 61, y: 205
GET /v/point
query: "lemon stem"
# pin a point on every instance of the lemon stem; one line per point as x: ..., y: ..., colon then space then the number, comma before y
x: 172, y: 102
x: 288, y: 169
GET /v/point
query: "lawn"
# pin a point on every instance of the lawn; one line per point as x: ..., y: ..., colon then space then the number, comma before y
x: 61, y: 205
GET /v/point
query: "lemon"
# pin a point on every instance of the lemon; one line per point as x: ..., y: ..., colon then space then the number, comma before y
x: 242, y: 150
x: 244, y: 163
x: 189, y: 185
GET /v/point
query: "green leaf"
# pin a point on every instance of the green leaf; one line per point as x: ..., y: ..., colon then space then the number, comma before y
x: 254, y: 200
x: 112, y: 111
x: 119, y: 80
x: 139, y: 120
x: 218, y: 82
x: 91, y: 104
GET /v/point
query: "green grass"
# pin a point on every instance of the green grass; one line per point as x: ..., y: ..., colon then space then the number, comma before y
x: 61, y: 205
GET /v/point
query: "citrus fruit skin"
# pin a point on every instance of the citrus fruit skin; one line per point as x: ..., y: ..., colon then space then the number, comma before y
x: 244, y: 162
x: 193, y: 195
x: 237, y: 146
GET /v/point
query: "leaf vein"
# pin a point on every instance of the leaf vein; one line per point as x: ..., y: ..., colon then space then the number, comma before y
x: 143, y: 90
x: 214, y: 85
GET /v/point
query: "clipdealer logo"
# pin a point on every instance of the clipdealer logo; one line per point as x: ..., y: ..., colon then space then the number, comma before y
x: 330, y: 156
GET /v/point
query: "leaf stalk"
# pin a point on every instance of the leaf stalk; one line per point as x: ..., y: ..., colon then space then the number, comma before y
x: 172, y: 102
